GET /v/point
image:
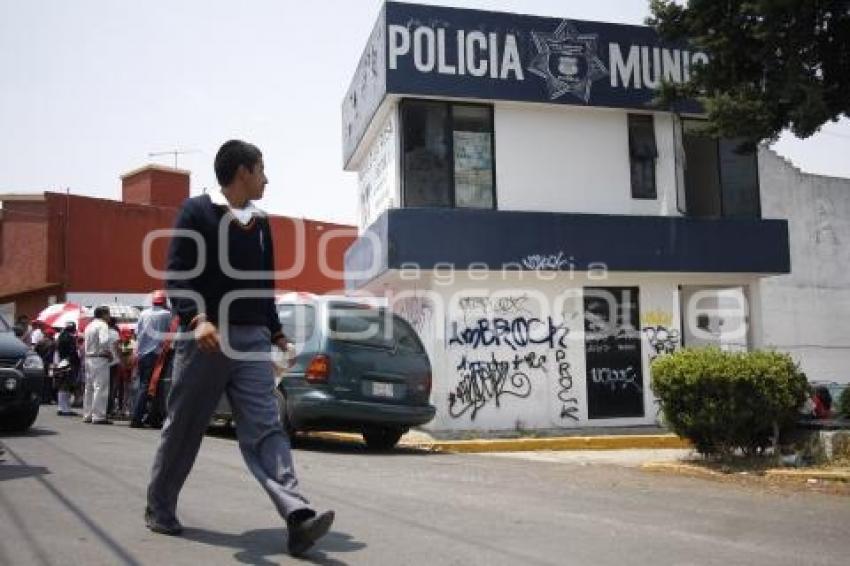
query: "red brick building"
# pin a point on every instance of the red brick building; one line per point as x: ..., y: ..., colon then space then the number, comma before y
x: 53, y: 245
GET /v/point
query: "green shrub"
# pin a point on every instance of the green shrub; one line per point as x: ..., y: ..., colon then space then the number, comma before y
x: 843, y: 407
x: 725, y: 401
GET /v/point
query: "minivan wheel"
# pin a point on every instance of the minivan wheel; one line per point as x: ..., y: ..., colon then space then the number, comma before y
x: 20, y: 420
x: 382, y: 438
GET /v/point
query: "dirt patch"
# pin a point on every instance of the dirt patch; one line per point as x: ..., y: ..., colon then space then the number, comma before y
x: 755, y: 475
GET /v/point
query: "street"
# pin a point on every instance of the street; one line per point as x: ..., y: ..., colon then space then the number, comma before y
x: 72, y: 493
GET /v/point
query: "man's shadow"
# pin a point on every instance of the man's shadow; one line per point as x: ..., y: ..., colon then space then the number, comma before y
x: 257, y: 546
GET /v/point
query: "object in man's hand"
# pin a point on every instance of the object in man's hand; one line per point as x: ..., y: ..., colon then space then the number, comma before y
x: 283, y: 360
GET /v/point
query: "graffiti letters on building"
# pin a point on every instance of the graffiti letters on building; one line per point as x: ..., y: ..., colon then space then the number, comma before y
x: 515, y: 333
x: 483, y: 382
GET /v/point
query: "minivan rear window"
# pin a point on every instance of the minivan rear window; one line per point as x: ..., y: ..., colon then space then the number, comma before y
x: 4, y: 326
x: 374, y: 328
x: 298, y: 322
x: 360, y: 325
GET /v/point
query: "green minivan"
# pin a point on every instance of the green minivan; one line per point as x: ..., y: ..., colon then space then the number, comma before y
x: 356, y: 368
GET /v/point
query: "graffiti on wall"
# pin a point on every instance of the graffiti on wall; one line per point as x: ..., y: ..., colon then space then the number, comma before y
x: 417, y: 311
x: 515, y: 333
x: 569, y: 404
x: 505, y: 351
x: 474, y: 308
x: 547, y: 262
x: 656, y: 326
x: 483, y: 382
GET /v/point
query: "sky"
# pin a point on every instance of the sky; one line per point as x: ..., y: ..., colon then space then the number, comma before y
x: 89, y: 88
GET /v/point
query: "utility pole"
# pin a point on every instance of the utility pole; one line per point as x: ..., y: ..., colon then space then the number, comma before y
x: 174, y: 152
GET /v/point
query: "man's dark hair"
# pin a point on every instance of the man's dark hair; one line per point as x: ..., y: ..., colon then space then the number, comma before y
x: 230, y: 156
x: 101, y: 312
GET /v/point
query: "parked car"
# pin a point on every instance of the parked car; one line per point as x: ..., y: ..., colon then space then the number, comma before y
x: 357, y: 368
x: 21, y: 379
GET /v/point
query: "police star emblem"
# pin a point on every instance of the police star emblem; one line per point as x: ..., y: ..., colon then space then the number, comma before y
x: 568, y: 61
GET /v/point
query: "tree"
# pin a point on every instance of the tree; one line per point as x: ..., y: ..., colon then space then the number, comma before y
x: 774, y: 64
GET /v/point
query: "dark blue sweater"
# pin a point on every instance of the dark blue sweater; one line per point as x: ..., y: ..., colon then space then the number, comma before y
x: 249, y: 248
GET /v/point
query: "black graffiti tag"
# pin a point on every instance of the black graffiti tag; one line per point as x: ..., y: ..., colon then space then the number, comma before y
x: 661, y: 340
x: 519, y: 332
x: 482, y: 382
x: 616, y: 378
x: 569, y: 406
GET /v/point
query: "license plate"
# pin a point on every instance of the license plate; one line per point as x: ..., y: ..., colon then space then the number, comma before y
x: 382, y: 389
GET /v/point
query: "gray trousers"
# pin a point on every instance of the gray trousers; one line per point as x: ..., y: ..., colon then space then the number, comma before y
x: 198, y: 381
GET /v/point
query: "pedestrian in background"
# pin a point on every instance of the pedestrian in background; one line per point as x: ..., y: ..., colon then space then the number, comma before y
x: 150, y: 335
x: 114, y: 338
x: 46, y: 350
x: 67, y: 352
x: 127, y: 359
x: 98, y: 358
x: 37, y: 333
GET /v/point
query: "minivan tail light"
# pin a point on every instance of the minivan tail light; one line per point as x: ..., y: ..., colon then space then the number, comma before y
x: 428, y: 384
x: 318, y: 369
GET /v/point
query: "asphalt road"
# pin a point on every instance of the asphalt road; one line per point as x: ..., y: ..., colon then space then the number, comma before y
x: 72, y: 493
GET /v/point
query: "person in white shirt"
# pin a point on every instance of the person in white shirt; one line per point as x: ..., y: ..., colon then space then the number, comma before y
x: 37, y: 334
x: 98, y: 357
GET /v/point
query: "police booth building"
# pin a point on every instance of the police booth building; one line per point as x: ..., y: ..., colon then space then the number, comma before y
x: 547, y: 231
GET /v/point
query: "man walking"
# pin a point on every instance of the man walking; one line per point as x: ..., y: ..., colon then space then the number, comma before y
x: 223, y: 313
x: 150, y: 330
x: 98, y: 350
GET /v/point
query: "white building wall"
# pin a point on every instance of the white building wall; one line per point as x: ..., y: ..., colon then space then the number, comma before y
x: 378, y: 174
x: 564, y: 159
x: 544, y: 387
x: 807, y: 313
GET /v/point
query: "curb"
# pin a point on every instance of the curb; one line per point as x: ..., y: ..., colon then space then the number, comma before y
x: 801, y: 474
x: 622, y: 442
x: 830, y: 475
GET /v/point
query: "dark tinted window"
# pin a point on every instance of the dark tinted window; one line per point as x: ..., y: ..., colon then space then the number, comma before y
x: 642, y: 155
x: 720, y: 180
x: 298, y: 321
x: 447, y: 157
x: 426, y: 156
x: 4, y: 326
x: 365, y: 326
x: 739, y: 179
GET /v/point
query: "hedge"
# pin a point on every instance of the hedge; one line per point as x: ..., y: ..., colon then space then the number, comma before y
x: 724, y: 402
x: 843, y: 407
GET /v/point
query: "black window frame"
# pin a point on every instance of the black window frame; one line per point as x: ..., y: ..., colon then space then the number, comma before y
x: 636, y: 155
x: 718, y: 157
x: 449, y: 129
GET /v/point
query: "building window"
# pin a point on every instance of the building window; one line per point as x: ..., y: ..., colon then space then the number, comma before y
x: 642, y: 154
x: 721, y: 179
x: 447, y: 155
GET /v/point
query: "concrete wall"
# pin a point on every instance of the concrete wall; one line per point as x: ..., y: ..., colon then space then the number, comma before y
x: 544, y: 386
x: 807, y: 312
x: 563, y: 159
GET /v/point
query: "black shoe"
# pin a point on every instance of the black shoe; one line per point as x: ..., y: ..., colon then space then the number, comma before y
x: 66, y: 413
x: 304, y: 533
x: 102, y: 421
x: 171, y: 528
